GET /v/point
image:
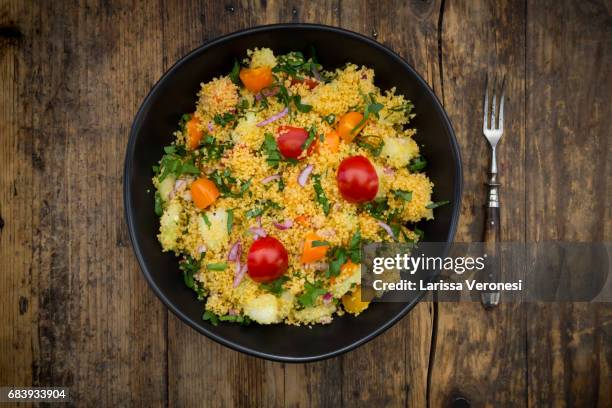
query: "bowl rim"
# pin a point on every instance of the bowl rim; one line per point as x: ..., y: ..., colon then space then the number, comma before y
x: 127, y: 198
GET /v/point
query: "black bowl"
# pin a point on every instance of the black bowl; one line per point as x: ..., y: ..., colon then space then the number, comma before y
x: 175, y: 93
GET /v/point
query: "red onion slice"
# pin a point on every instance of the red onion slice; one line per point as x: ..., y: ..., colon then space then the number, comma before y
x: 267, y: 93
x: 316, y: 73
x: 201, y: 249
x: 210, y: 126
x: 387, y: 228
x: 288, y: 223
x: 240, y: 272
x: 273, y: 118
x: 327, y: 298
x: 270, y: 178
x: 389, y: 171
x: 235, y: 252
x: 303, y: 177
x: 258, y: 232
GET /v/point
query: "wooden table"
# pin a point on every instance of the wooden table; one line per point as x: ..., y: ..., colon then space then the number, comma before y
x: 77, y: 312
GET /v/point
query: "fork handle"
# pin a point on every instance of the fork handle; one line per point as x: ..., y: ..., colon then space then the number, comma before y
x: 491, y: 236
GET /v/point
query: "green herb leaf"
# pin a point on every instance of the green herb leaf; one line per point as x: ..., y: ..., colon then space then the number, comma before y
x: 264, y: 206
x: 437, y: 204
x: 354, y: 249
x: 403, y: 194
x: 297, y: 101
x: 183, y: 122
x: 230, y: 220
x: 317, y: 243
x: 337, y: 258
x: 330, y: 119
x: 245, y: 320
x: 271, y: 151
x: 312, y: 134
x: 223, y: 120
x: 206, y: 220
x: 220, y: 266
x: 321, y: 197
x: 210, y: 316
x: 371, y: 108
x: 211, y: 149
x: 311, y: 292
x: 276, y: 286
x: 374, y: 149
x: 417, y: 164
x: 377, y: 207
x: 158, y: 204
x: 235, y: 73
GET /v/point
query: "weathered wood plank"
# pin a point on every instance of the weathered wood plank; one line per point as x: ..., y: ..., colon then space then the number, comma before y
x: 88, y: 67
x: 569, y: 162
x: 18, y: 306
x: 480, y: 354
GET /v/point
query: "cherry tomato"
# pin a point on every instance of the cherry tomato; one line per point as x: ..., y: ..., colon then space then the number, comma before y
x: 347, y: 126
x: 290, y: 141
x: 357, y: 179
x: 267, y: 259
x: 309, y: 82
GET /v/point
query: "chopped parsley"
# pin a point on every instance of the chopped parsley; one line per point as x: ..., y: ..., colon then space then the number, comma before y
x: 311, y: 292
x: 211, y: 149
x: 225, y: 119
x: 371, y: 108
x: 321, y: 197
x: 317, y: 243
x: 265, y: 205
x: 235, y: 73
x: 354, y: 248
x: 330, y: 119
x: 403, y: 194
x: 377, y: 207
x: 210, y: 316
x: 214, y: 319
x: 186, y: 117
x: 297, y: 101
x: 417, y: 164
x: 366, y: 143
x: 220, y: 266
x: 158, y: 204
x: 230, y: 220
x: 312, y: 134
x: 270, y: 149
x: 176, y: 161
x: 225, y: 182
x: 437, y: 204
x: 295, y: 65
x: 276, y: 286
x: 235, y: 319
x: 206, y: 220
x: 337, y: 257
x: 190, y: 266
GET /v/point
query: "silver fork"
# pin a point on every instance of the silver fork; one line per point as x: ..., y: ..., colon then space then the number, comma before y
x: 493, y: 131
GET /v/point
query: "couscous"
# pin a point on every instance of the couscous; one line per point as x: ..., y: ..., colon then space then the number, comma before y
x: 274, y: 181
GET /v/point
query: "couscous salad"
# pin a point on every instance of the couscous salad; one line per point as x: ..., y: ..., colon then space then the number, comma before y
x: 274, y: 181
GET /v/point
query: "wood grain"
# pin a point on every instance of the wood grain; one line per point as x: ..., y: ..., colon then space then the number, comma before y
x: 569, y: 162
x: 480, y: 354
x: 77, y: 312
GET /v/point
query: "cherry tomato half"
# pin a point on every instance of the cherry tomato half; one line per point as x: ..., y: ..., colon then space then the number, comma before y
x: 267, y: 259
x: 357, y: 179
x: 290, y: 141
